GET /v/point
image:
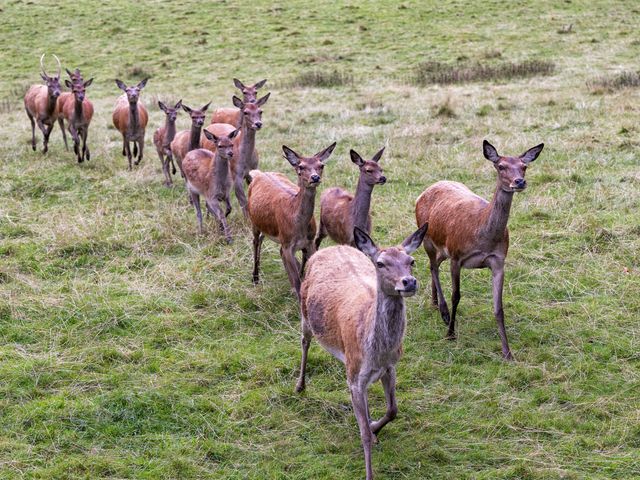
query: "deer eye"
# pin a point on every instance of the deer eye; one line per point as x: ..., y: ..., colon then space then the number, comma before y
x: 380, y: 265
x: 501, y: 167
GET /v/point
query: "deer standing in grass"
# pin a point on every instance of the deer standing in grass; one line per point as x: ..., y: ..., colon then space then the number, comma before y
x: 283, y: 211
x: 130, y: 118
x: 78, y: 113
x: 187, y: 140
x: 76, y: 77
x: 163, y: 137
x: 208, y: 175
x: 41, y: 105
x: 472, y: 232
x: 246, y: 158
x: 352, y: 301
x: 340, y: 211
x: 233, y: 115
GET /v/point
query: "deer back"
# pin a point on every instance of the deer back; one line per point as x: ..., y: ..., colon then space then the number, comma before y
x: 230, y: 115
x: 335, y: 214
x: 219, y: 130
x: 198, y: 166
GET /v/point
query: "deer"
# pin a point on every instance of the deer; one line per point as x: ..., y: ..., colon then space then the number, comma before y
x: 78, y: 114
x: 187, y: 140
x: 352, y: 302
x: 246, y: 158
x: 340, y: 211
x: 41, y: 105
x: 207, y: 174
x: 232, y: 115
x: 283, y: 211
x: 472, y: 232
x: 163, y: 137
x: 130, y: 118
x: 75, y: 77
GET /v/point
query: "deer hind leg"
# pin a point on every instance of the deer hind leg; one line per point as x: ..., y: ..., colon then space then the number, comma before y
x: 361, y: 410
x: 195, y: 200
x: 86, y: 155
x: 455, y: 296
x: 389, y: 384
x: 227, y: 202
x: 140, y: 144
x: 322, y: 232
x: 46, y: 131
x: 436, y: 289
x: 127, y: 150
x: 257, y: 247
x: 64, y: 134
x: 76, y: 142
x: 238, y: 188
x: 305, y: 342
x: 33, y: 130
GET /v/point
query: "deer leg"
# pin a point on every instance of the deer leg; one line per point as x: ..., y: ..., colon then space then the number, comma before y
x: 361, y: 410
x: 33, y: 130
x: 124, y: 146
x: 164, y: 161
x: 140, y: 151
x: 45, y: 142
x: 128, y: 153
x: 195, y: 200
x: 305, y: 341
x: 135, y: 149
x: 227, y: 202
x: 434, y: 266
x: 64, y: 134
x: 47, y: 134
x: 215, y: 210
x: 455, y: 297
x: 257, y: 246
x: 238, y: 188
x: 76, y: 141
x: 292, y: 266
x: 322, y: 232
x: 389, y: 384
x: 497, y: 271
x: 85, y: 149
x: 173, y: 165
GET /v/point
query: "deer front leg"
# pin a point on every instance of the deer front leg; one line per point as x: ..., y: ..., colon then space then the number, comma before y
x: 322, y: 232
x: 140, y: 144
x: 257, y: 246
x: 127, y: 150
x: 389, y: 384
x: 45, y: 141
x: 292, y: 266
x: 195, y: 199
x: 305, y: 341
x: 86, y: 154
x: 361, y: 410
x: 238, y: 188
x: 64, y: 134
x: 214, y: 208
x: 497, y: 271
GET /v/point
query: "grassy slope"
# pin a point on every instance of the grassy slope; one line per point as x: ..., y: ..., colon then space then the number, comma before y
x: 130, y: 347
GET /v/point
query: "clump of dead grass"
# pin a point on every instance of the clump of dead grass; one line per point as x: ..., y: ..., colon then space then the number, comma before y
x: 321, y: 79
x: 612, y: 83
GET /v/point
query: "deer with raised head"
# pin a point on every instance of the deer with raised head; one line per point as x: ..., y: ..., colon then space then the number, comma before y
x: 352, y: 302
x: 78, y: 113
x: 208, y: 175
x: 130, y: 118
x: 283, y: 211
x: 163, y: 137
x: 246, y: 158
x: 472, y: 232
x: 340, y: 211
x: 76, y: 77
x: 233, y: 115
x: 187, y: 140
x: 41, y: 105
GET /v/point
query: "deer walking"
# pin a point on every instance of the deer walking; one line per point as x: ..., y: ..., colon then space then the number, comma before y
x: 472, y: 232
x: 78, y: 113
x: 283, y: 211
x: 163, y: 137
x: 76, y: 77
x: 352, y: 302
x: 208, y: 175
x: 340, y: 211
x: 41, y: 105
x: 233, y: 115
x: 130, y: 118
x: 187, y: 140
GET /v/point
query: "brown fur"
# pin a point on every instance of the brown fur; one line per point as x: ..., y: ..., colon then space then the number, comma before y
x: 37, y: 103
x: 183, y: 141
x: 230, y: 115
x: 163, y: 137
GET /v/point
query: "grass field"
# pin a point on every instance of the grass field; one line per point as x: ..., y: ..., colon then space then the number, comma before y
x: 130, y: 347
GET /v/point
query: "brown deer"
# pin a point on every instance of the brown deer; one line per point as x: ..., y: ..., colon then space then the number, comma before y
x: 340, y: 211
x: 163, y: 137
x: 284, y: 212
x: 187, y: 140
x: 76, y: 77
x: 246, y: 158
x: 352, y: 301
x: 208, y: 175
x: 41, y: 105
x: 78, y: 114
x: 472, y: 232
x: 232, y: 115
x: 130, y: 118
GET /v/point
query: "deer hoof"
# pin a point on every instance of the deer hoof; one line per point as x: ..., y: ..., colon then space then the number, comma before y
x: 508, y: 357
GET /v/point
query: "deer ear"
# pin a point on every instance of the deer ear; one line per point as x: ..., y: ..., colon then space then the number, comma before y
x: 162, y: 106
x: 260, y: 84
x: 237, y: 102
x: 204, y: 109
x: 263, y: 100
x: 490, y: 152
x: 88, y: 82
x: 187, y: 109
x: 413, y: 241
x: 377, y: 156
x: 531, y: 154
x: 121, y: 85
x: 210, y: 136
x: 68, y: 83
x: 324, y: 155
x: 142, y: 84
x: 68, y: 72
x: 238, y: 84
x: 364, y: 243
x: 233, y: 134
x: 178, y: 105
x: 43, y: 77
x: 291, y: 156
x: 356, y: 158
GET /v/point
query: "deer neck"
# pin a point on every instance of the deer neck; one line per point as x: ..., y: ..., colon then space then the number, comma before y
x: 389, y: 323
x: 52, y: 102
x: 304, y: 205
x: 77, y: 109
x: 361, y: 204
x: 169, y: 131
x: 220, y: 172
x: 497, y: 215
x: 247, y: 147
x: 134, y: 117
x: 194, y: 138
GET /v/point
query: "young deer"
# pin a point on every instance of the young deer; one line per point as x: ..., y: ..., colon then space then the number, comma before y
x: 340, y: 211
x: 163, y: 137
x: 208, y: 175
x: 41, y: 105
x: 472, y: 232
x: 130, y: 119
x: 354, y: 306
x: 231, y: 115
x: 284, y: 212
x: 78, y: 114
x: 76, y: 77
x: 246, y: 158
x: 187, y: 140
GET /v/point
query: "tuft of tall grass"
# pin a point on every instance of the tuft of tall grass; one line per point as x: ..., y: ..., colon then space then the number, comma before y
x: 611, y: 83
x: 321, y: 79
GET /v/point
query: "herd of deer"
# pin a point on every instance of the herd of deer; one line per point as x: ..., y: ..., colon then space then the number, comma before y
x: 351, y: 299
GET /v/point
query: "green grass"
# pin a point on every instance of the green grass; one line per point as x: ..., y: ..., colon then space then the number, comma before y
x: 130, y: 347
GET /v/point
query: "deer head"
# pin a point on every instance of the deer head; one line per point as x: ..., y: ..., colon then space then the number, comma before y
x: 249, y: 94
x: 133, y: 93
x: 78, y: 88
x: 197, y: 116
x: 224, y: 144
x: 511, y: 170
x: 369, y: 169
x: 170, y: 112
x: 53, y: 82
x: 251, y: 112
x: 309, y: 169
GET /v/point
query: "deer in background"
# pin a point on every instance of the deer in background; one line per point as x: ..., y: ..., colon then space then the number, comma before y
x: 208, y: 175
x: 340, y: 211
x: 472, y: 232
x: 283, y: 211
x: 41, y: 105
x: 163, y: 137
x: 352, y: 301
x: 233, y: 116
x: 78, y: 113
x: 246, y: 158
x: 187, y: 140
x: 130, y: 118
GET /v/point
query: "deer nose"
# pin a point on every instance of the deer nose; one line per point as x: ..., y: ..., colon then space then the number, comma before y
x: 315, y: 178
x: 409, y: 283
x: 230, y: 153
x: 258, y: 125
x: 382, y: 180
x: 520, y: 182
